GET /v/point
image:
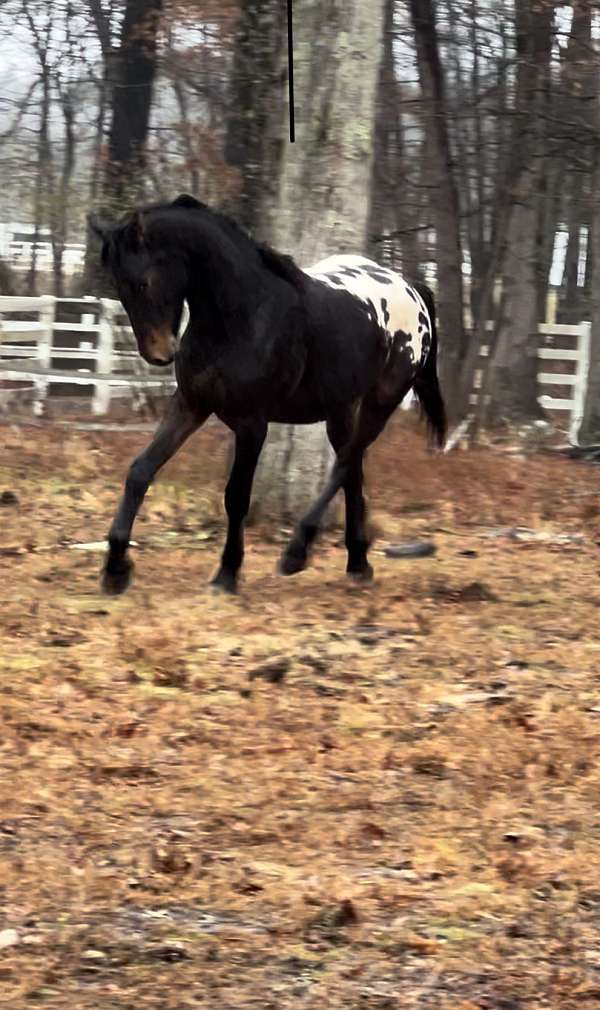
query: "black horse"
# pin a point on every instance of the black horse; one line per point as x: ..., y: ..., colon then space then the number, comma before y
x: 343, y: 342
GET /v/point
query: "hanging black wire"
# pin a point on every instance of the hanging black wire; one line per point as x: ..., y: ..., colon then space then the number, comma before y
x: 290, y: 27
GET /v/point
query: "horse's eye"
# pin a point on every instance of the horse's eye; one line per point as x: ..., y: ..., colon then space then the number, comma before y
x: 143, y: 286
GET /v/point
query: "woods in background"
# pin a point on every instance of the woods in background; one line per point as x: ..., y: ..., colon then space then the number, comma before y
x: 455, y: 141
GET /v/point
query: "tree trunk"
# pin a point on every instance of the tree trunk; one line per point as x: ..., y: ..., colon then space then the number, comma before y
x: 589, y: 431
x: 256, y: 123
x: 513, y: 375
x: 321, y: 206
x: 509, y: 386
x: 94, y: 281
x: 385, y: 198
x: 547, y: 224
x: 131, y: 105
x: 127, y: 83
x: 570, y: 292
x: 59, y: 214
x: 444, y: 201
x: 44, y: 175
x: 395, y: 205
x: 477, y: 243
x: 577, y: 86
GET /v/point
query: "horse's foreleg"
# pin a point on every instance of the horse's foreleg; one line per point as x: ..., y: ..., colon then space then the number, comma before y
x: 177, y: 425
x: 248, y: 444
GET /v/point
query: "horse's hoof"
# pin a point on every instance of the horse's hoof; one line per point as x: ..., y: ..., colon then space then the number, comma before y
x: 117, y: 576
x: 290, y: 564
x: 363, y: 574
x: 224, y: 582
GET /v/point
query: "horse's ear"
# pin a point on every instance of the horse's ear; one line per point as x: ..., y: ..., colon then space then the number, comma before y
x: 185, y: 200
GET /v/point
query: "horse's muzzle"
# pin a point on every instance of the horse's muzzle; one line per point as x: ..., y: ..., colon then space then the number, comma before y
x: 158, y: 347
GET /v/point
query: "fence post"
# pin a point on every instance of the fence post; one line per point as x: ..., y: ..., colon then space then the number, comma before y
x: 46, y: 317
x: 104, y: 357
x: 580, y: 388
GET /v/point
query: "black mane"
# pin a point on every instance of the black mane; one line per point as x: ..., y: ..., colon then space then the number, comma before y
x: 280, y: 264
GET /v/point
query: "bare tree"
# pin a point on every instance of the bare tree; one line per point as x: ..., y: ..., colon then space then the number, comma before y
x: 136, y: 64
x: 321, y: 206
x: 574, y: 157
x: 126, y: 88
x: 509, y: 388
x: 589, y: 431
x: 443, y: 200
x: 590, y: 427
x: 397, y: 217
x: 42, y: 26
x: 187, y: 147
x: 255, y: 122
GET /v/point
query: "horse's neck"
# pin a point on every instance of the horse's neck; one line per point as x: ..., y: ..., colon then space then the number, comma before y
x: 228, y: 282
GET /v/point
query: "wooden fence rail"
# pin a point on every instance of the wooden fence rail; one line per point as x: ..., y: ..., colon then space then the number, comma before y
x: 562, y: 379
x: 49, y: 344
x: 42, y: 348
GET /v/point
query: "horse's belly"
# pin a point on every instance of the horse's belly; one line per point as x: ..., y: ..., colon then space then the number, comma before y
x: 322, y: 393
x: 295, y: 411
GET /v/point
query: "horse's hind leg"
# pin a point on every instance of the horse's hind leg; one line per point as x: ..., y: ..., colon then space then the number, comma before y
x: 347, y: 471
x: 357, y: 542
x: 248, y: 444
x: 339, y: 431
x: 176, y: 426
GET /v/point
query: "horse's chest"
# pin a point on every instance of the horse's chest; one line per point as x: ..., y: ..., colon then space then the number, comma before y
x: 245, y: 377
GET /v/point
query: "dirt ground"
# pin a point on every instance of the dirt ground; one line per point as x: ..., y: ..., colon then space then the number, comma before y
x: 314, y: 795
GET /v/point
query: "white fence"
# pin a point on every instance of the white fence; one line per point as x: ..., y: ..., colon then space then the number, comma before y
x: 39, y: 349
x: 577, y: 357
x: 99, y: 350
x: 18, y: 241
x: 565, y: 353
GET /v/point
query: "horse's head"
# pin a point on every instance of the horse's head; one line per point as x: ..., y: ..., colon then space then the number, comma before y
x: 150, y: 282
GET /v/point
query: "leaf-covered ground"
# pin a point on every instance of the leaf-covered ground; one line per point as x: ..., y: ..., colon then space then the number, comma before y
x: 316, y: 794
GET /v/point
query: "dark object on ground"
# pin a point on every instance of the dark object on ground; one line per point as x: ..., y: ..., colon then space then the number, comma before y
x: 587, y: 453
x: 476, y: 591
x: 416, y: 550
x: 8, y: 498
x: 273, y: 671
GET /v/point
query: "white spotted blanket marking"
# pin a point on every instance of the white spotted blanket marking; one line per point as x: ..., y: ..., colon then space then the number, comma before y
x: 398, y: 307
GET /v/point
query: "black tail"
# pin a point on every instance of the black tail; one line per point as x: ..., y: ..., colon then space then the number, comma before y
x: 426, y: 385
